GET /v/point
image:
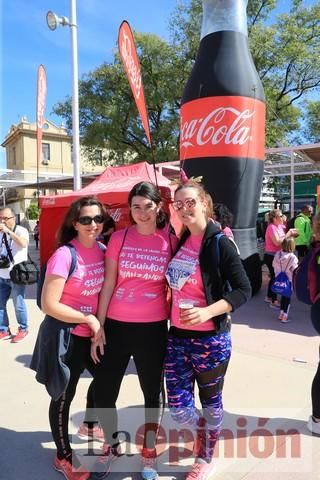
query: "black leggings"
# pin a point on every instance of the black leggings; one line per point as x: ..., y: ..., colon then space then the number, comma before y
x: 78, y: 359
x: 146, y: 343
x: 315, y: 392
x: 285, y: 304
x: 268, y: 259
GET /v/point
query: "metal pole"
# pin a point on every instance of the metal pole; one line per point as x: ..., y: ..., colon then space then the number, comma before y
x: 292, y: 182
x: 75, y: 97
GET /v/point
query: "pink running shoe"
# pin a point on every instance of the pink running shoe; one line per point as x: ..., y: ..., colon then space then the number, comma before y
x: 5, y: 335
x: 102, y: 467
x: 21, y: 335
x: 201, y: 471
x: 86, y: 433
x: 70, y: 472
x: 149, y: 464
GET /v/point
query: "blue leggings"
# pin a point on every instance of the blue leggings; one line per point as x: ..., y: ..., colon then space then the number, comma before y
x: 203, y: 360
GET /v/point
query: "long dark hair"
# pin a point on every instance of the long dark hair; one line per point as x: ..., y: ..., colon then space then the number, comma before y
x: 67, y: 232
x: 151, y: 192
x: 223, y: 215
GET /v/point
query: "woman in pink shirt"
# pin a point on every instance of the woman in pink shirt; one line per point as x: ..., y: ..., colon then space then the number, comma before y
x: 275, y: 233
x: 70, y: 303
x: 133, y: 308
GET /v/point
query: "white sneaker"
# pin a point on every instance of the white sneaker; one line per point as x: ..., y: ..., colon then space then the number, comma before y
x: 312, y: 426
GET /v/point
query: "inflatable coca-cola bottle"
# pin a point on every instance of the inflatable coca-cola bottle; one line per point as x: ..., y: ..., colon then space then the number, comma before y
x: 223, y: 123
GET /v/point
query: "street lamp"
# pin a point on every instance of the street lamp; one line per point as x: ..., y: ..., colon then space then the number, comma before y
x: 53, y: 22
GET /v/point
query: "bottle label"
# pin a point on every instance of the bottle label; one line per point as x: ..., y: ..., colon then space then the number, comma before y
x: 230, y: 126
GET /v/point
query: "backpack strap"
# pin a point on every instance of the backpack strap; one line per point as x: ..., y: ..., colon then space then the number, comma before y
x: 74, y: 259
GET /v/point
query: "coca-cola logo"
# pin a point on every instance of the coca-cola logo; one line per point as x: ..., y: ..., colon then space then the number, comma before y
x: 116, y: 214
x: 133, y: 69
x: 226, y: 125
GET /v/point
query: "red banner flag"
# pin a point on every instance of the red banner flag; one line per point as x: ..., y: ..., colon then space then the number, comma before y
x: 129, y: 57
x: 41, y: 104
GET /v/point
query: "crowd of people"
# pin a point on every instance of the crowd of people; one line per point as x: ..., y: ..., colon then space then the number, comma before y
x: 284, y: 247
x: 115, y: 305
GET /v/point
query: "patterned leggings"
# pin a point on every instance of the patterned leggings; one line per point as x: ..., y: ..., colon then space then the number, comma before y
x: 203, y: 360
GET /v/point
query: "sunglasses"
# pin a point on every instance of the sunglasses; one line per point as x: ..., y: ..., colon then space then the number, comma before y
x: 5, y: 219
x: 86, y: 220
x: 188, y: 203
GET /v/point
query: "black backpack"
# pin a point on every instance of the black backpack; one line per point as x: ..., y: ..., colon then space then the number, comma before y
x: 290, y: 223
x: 44, y: 269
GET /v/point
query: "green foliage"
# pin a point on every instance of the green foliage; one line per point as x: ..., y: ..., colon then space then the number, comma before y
x: 33, y: 211
x: 312, y: 127
x: 286, y: 52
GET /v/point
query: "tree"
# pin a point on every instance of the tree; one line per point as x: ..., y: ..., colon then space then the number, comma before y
x: 33, y: 211
x: 109, y: 116
x: 312, y: 127
x: 286, y: 52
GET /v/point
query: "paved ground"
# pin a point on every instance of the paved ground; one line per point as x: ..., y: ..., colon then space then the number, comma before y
x: 267, y: 402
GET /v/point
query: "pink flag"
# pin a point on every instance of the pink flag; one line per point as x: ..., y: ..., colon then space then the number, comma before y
x: 129, y: 57
x: 41, y: 104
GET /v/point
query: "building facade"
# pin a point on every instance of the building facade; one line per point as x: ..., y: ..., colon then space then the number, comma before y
x: 56, y: 159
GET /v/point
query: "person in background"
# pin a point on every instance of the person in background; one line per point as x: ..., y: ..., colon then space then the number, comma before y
x: 285, y: 261
x: 62, y: 350
x: 274, y: 236
x: 222, y: 214
x: 133, y: 308
x: 304, y: 228
x: 199, y: 344
x: 36, y: 234
x: 17, y: 239
x: 314, y: 420
x: 109, y: 227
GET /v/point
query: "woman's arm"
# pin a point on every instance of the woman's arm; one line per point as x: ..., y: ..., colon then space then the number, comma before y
x: 111, y: 274
x: 51, y: 305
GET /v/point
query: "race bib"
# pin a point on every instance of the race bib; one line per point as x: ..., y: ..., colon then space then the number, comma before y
x: 179, y: 271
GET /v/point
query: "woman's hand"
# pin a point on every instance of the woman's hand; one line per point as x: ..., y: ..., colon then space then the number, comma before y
x: 96, y: 328
x: 97, y: 349
x: 292, y: 233
x: 195, y: 316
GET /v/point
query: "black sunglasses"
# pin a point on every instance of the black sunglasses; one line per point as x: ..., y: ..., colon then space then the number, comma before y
x: 86, y: 220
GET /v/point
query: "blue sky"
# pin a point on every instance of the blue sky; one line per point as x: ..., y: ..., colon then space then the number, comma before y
x: 26, y: 42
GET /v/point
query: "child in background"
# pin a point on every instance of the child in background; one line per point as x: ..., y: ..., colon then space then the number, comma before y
x: 285, y: 261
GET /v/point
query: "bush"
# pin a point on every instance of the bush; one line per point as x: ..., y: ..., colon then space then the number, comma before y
x: 33, y: 212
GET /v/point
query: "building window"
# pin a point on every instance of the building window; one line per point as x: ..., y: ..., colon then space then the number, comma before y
x: 45, y: 153
x: 14, y: 156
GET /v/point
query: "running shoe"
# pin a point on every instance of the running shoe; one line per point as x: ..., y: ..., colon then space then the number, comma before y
x: 149, y: 464
x: 86, y: 433
x: 5, y: 334
x: 21, y: 335
x: 201, y: 471
x: 69, y: 471
x: 102, y: 467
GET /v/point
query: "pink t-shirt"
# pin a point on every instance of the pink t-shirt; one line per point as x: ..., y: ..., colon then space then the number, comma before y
x: 184, y: 278
x: 271, y: 231
x: 140, y: 294
x: 81, y: 291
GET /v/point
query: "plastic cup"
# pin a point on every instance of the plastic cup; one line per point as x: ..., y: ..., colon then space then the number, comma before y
x: 185, y: 304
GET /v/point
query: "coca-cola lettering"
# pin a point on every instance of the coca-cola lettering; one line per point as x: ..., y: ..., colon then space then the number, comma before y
x: 225, y: 125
